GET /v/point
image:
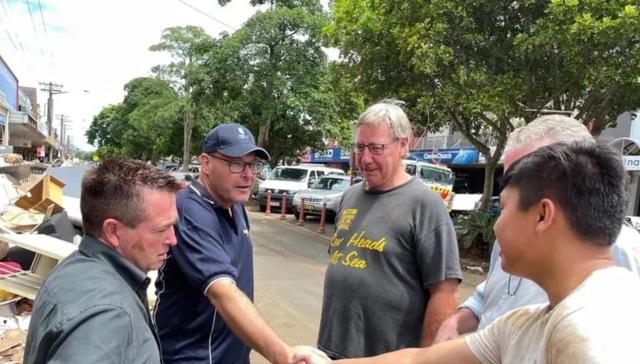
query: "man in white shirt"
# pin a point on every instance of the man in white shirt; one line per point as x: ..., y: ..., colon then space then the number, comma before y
x: 562, y: 208
x: 502, y: 292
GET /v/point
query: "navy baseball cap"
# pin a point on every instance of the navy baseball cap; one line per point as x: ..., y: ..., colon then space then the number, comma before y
x: 233, y: 140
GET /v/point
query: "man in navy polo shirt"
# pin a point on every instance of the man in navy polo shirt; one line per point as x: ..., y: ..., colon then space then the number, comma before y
x: 204, y: 311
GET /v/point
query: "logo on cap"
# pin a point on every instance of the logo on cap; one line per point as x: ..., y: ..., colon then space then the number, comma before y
x: 241, y: 133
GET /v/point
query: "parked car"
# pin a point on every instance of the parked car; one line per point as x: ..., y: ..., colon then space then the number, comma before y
x: 327, y: 189
x: 289, y: 180
x: 184, y: 178
x: 262, y: 176
x: 438, y: 178
x: 194, y: 169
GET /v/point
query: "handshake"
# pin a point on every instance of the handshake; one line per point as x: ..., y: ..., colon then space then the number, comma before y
x: 309, y: 355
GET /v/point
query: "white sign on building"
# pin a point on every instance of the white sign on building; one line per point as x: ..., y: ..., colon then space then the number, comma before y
x: 631, y: 162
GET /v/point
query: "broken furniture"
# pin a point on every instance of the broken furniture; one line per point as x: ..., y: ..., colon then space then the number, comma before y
x: 49, y: 251
x: 43, y: 194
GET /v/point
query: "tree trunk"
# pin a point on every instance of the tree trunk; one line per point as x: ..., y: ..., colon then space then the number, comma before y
x: 188, y: 129
x: 489, y: 174
x: 154, y: 158
x: 263, y: 134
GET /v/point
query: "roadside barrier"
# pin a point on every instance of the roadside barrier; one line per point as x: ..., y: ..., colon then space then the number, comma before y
x: 283, y: 207
x: 301, y: 212
x: 323, y: 214
x: 268, y: 210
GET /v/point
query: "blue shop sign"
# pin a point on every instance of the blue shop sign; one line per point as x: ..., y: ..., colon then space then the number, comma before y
x: 446, y: 156
x: 330, y: 155
x: 8, y: 85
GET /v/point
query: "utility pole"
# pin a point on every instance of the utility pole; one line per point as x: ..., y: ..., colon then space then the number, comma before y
x: 52, y: 89
x: 64, y: 119
x: 61, y: 129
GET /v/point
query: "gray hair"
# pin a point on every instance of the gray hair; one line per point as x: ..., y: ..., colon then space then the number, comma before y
x: 555, y: 128
x: 387, y: 112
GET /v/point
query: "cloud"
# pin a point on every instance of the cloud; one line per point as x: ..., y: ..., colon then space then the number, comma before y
x: 97, y: 45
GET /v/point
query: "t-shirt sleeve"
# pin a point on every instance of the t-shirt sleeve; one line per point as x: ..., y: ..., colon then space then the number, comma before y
x: 437, y: 247
x: 485, y: 343
x: 200, y: 251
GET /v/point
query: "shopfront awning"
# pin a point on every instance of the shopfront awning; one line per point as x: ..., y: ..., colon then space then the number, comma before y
x: 23, y: 131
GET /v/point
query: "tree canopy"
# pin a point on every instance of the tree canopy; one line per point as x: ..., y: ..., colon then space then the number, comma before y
x: 481, y: 65
x: 272, y: 75
x: 143, y: 126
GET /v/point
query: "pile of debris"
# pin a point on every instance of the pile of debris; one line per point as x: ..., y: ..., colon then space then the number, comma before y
x: 35, y: 234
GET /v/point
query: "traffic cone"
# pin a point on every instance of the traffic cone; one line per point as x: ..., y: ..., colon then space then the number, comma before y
x: 268, y: 210
x: 323, y: 214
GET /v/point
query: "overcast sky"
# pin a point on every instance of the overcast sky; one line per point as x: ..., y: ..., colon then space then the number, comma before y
x: 97, y: 46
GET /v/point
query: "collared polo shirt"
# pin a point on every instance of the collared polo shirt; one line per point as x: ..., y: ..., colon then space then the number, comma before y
x: 92, y: 308
x: 213, y: 243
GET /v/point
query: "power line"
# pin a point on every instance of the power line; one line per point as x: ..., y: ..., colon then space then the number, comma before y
x: 17, y: 38
x: 208, y: 16
x: 33, y: 22
x: 35, y: 31
x: 9, y: 35
x: 44, y: 25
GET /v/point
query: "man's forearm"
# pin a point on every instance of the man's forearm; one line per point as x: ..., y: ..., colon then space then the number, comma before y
x: 443, y: 301
x: 461, y: 322
x: 455, y: 351
x: 466, y: 321
x: 246, y: 322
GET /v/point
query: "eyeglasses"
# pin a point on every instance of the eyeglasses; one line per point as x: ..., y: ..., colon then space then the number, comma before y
x: 374, y: 148
x: 238, y: 166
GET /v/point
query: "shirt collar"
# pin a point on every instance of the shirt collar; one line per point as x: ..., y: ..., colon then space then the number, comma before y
x: 196, y: 187
x: 131, y: 274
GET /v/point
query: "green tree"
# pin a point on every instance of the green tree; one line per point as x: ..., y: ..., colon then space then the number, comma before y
x: 187, y: 46
x: 143, y: 126
x: 481, y: 65
x: 153, y: 111
x: 591, y: 50
x: 107, y: 130
x: 273, y: 76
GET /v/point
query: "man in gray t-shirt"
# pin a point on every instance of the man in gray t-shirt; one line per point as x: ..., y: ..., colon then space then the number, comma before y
x: 393, y: 269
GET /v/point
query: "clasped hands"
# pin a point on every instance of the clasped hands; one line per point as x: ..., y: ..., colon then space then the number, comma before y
x: 303, y: 354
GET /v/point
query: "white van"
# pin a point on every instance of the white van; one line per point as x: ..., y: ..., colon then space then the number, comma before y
x: 438, y: 178
x: 289, y: 180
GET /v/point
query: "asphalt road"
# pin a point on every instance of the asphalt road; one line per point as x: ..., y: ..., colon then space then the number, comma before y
x: 290, y: 261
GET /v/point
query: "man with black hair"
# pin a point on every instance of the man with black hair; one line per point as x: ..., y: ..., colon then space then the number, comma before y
x: 502, y: 292
x: 562, y: 208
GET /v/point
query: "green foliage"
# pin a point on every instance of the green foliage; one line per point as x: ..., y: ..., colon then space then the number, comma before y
x: 475, y: 230
x: 83, y: 155
x: 482, y: 64
x: 143, y: 126
x: 272, y: 75
x: 187, y: 47
x: 592, y: 52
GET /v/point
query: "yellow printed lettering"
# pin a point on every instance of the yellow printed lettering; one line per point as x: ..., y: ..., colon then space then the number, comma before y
x: 335, y: 257
x: 360, y: 241
x: 355, y: 238
x: 335, y: 240
x: 352, y: 260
